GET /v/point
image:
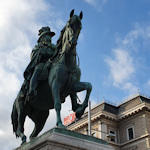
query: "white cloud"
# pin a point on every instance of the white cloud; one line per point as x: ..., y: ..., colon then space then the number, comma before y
x: 96, y: 3
x: 9, y: 84
x: 121, y: 66
x: 148, y: 82
x: 124, y: 63
x: 128, y: 86
x: 136, y: 39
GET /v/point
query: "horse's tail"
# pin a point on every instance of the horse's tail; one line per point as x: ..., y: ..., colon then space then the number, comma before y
x: 14, y: 118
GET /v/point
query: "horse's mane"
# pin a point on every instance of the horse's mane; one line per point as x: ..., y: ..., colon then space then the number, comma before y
x: 59, y: 45
x: 59, y: 41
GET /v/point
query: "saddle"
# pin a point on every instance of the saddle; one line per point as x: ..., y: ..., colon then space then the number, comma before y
x: 44, y: 72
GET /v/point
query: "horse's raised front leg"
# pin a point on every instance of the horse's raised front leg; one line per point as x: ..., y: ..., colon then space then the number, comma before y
x: 78, y: 87
x: 75, y: 105
x: 57, y: 102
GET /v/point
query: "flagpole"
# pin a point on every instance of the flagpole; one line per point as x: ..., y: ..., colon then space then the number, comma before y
x: 89, y: 118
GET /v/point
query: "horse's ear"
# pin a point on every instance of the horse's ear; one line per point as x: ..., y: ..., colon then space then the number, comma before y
x: 81, y: 15
x: 71, y: 13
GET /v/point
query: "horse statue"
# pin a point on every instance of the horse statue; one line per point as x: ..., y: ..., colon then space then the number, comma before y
x: 63, y: 80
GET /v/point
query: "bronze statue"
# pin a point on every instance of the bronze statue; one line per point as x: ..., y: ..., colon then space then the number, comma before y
x: 62, y: 79
x: 43, y: 51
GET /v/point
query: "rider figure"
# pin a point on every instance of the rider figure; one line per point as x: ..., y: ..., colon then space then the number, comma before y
x: 39, y: 57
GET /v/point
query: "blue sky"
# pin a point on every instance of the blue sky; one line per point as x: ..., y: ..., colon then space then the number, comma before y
x: 113, y: 47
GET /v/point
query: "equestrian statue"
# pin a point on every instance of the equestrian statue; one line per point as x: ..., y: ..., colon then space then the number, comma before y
x: 52, y: 74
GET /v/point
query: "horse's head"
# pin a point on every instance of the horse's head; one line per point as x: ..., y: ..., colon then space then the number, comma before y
x: 72, y: 30
x: 74, y: 25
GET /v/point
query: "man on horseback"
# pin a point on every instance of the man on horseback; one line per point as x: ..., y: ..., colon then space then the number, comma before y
x: 63, y: 79
x: 40, y: 55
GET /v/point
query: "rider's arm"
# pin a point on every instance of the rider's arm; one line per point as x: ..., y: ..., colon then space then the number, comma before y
x: 53, y: 46
x: 34, y: 50
x: 49, y: 51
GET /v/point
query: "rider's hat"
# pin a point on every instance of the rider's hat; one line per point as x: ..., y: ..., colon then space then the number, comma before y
x: 45, y: 30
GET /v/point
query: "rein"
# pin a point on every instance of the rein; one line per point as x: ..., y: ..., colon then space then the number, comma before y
x: 78, y: 59
x: 61, y: 54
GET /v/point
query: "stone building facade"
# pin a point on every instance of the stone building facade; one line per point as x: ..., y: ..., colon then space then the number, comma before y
x: 125, y: 127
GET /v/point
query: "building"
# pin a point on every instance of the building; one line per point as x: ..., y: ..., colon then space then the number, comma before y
x: 125, y: 127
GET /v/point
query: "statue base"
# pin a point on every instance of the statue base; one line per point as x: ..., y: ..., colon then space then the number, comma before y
x: 62, y: 139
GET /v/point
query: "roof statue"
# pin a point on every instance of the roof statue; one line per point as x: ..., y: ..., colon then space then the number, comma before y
x: 52, y: 74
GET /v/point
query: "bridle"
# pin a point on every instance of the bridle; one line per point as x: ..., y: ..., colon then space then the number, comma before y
x: 61, y: 54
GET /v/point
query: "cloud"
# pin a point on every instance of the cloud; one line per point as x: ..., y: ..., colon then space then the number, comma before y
x: 130, y: 87
x: 96, y: 3
x: 124, y: 65
x: 121, y: 66
x: 148, y: 82
x: 136, y: 39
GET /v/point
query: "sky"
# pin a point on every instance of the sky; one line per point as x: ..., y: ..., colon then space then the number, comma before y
x: 113, y: 48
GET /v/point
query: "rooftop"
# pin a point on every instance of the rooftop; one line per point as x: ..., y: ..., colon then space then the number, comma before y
x: 125, y: 100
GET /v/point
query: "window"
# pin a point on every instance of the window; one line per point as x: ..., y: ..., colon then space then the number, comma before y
x: 130, y: 133
x: 112, y: 136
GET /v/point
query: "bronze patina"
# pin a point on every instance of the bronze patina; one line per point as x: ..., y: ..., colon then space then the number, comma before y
x: 50, y: 77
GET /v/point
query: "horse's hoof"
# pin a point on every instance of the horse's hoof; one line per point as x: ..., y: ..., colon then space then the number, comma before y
x: 75, y: 107
x: 60, y: 125
x: 79, y: 112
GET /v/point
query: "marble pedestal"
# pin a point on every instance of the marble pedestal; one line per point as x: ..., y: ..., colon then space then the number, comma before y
x: 62, y: 139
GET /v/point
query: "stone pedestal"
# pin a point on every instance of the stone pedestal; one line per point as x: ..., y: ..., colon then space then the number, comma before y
x: 62, y: 139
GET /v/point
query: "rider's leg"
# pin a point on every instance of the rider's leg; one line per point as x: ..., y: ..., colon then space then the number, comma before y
x: 34, y: 79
